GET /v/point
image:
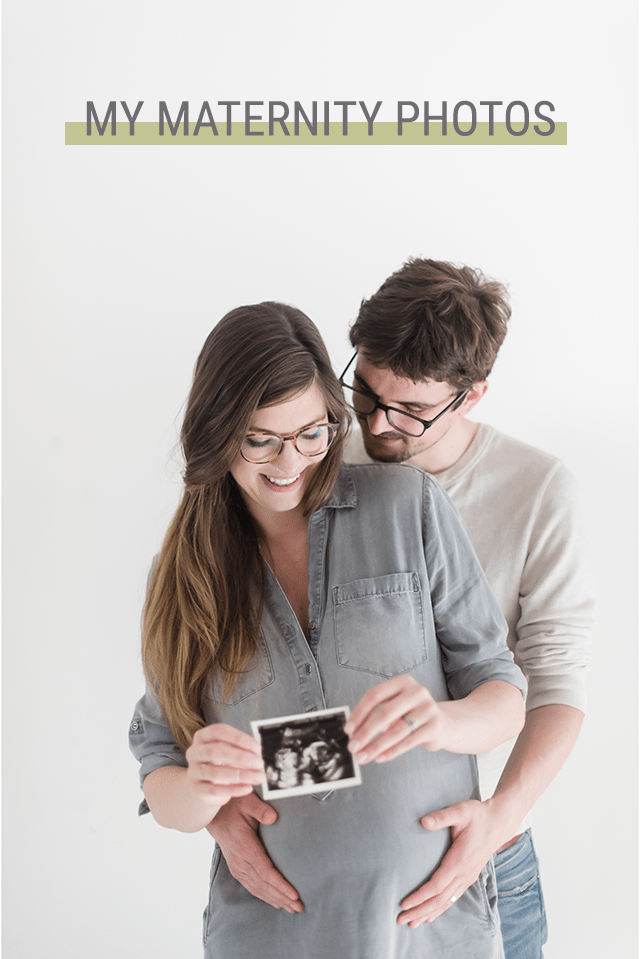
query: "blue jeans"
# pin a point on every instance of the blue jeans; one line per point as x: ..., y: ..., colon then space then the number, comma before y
x: 520, y: 903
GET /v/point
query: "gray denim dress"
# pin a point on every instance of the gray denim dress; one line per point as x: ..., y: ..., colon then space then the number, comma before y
x: 394, y: 588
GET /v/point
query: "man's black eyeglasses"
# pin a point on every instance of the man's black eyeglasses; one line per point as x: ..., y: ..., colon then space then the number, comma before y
x: 365, y: 404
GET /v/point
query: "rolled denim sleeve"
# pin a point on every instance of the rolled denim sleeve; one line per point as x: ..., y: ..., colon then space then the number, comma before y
x: 471, y: 630
x: 151, y: 742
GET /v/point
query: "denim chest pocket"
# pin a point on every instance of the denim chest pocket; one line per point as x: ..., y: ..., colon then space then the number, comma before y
x: 379, y: 624
x: 258, y: 674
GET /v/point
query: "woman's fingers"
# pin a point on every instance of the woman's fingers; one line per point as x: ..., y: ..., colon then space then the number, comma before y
x: 224, y: 754
x: 222, y: 734
x: 227, y: 775
x: 397, y: 740
x: 383, y: 704
x: 391, y: 719
x: 219, y: 741
x: 371, y: 699
x: 225, y: 760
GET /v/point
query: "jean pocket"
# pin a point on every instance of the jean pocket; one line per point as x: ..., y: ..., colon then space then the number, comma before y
x: 379, y: 624
x: 522, y: 912
x: 517, y: 868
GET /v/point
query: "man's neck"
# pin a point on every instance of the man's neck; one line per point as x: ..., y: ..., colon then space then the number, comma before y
x: 447, y: 449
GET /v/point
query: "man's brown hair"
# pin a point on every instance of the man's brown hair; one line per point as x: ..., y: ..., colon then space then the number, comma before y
x: 434, y: 320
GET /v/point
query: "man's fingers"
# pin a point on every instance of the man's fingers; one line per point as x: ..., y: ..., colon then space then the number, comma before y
x: 235, y: 830
x: 431, y: 900
x: 472, y: 847
x: 263, y: 881
x: 455, y: 815
x: 267, y: 873
x: 271, y: 894
x: 247, y: 858
x: 262, y: 811
x: 430, y: 910
x: 437, y: 885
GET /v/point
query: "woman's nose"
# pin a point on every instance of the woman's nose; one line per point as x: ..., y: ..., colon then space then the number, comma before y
x: 288, y: 458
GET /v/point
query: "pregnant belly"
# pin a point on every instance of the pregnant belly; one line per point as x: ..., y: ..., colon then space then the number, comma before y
x: 368, y: 831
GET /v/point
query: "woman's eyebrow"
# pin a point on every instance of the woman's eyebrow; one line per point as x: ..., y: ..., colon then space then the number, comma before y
x: 319, y: 419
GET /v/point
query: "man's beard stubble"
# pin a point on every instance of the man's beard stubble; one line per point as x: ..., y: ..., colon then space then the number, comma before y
x: 405, y: 452
x: 384, y: 455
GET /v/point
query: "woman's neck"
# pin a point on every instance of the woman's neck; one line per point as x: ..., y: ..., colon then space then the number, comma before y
x: 277, y: 528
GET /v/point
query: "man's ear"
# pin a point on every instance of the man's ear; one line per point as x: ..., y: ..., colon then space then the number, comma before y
x: 473, y: 397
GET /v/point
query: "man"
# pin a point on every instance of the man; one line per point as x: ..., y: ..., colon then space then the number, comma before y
x: 425, y: 344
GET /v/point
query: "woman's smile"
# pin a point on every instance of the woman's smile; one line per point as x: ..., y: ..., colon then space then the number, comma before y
x: 282, y: 483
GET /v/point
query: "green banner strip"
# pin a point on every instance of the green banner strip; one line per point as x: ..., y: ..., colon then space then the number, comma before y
x: 257, y: 135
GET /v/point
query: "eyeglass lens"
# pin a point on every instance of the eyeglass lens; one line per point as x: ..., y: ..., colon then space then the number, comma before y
x: 365, y: 405
x: 263, y: 447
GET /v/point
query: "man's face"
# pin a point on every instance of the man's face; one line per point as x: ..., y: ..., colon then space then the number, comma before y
x: 424, y: 399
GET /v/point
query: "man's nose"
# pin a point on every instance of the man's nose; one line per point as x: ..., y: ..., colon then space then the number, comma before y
x: 378, y: 422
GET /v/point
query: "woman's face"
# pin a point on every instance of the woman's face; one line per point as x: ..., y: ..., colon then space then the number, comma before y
x: 279, y: 486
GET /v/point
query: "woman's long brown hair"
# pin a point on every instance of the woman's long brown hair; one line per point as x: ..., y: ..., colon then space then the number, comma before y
x: 205, y: 597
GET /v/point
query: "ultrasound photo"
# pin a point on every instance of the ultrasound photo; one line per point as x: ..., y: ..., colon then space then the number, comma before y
x: 306, y: 753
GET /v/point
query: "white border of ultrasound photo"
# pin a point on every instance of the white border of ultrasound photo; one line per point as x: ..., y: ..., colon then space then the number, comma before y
x: 317, y: 744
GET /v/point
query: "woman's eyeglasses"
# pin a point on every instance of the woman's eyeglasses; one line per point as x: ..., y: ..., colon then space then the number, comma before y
x: 308, y: 441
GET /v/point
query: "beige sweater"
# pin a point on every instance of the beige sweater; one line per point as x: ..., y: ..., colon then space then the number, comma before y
x: 521, y: 507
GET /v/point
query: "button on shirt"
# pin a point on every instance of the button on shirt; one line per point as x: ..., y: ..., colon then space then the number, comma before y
x: 394, y: 588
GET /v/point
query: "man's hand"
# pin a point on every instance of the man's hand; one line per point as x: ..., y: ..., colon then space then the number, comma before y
x: 476, y: 833
x: 235, y: 829
x: 478, y: 829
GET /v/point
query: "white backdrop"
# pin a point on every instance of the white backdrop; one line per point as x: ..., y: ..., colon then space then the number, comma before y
x: 117, y: 262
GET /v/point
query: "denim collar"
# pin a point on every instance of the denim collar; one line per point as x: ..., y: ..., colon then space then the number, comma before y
x: 343, y: 495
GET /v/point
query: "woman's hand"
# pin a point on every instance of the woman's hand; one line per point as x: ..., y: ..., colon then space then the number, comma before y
x: 223, y: 763
x: 397, y: 715
x: 394, y: 717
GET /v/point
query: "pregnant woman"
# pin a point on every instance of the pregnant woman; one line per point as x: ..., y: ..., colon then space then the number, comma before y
x: 289, y: 583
